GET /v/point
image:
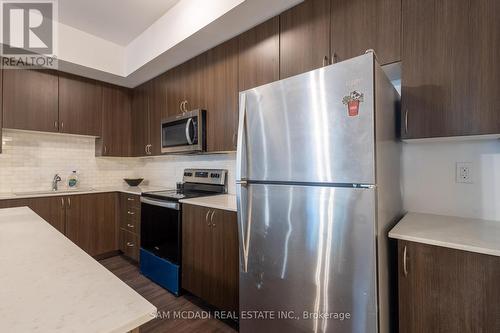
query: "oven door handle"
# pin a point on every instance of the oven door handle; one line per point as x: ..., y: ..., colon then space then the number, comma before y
x: 188, y: 135
x: 159, y: 203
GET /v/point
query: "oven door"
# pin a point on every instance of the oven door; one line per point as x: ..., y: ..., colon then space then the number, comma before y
x: 161, y: 229
x: 184, y: 133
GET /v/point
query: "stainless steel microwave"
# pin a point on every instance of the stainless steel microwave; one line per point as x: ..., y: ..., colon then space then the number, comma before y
x: 184, y: 133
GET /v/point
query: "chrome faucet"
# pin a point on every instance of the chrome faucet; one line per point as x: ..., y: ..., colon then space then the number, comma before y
x: 54, y: 182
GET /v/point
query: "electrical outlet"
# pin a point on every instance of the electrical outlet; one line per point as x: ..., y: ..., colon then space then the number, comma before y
x: 464, y: 173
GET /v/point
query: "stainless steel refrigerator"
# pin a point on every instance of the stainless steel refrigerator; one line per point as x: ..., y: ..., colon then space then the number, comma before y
x: 317, y: 190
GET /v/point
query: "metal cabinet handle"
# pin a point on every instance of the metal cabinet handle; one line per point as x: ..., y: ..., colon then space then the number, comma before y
x: 69, y: 202
x: 56, y: 124
x: 334, y: 58
x: 146, y: 149
x: 130, y: 244
x: 130, y: 225
x: 62, y: 202
x: 105, y: 149
x: 325, y: 61
x: 130, y: 213
x: 206, y: 217
x: 130, y: 199
x: 406, y: 121
x: 405, y: 268
x: 62, y: 125
x: 211, y: 219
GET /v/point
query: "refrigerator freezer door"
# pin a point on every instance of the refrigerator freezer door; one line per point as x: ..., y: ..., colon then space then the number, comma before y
x: 307, y: 252
x: 315, y: 127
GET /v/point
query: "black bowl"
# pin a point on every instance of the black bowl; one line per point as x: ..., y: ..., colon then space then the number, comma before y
x: 133, y: 182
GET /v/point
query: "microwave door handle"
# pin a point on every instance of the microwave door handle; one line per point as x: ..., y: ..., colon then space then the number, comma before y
x: 188, y: 135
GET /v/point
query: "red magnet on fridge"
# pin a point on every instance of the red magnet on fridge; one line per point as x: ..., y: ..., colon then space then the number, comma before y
x: 352, y: 101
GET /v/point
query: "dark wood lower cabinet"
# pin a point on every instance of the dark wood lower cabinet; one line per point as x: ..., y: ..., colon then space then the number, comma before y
x: 130, y: 225
x: 210, y: 255
x: 91, y: 222
x: 447, y: 290
x: 51, y: 209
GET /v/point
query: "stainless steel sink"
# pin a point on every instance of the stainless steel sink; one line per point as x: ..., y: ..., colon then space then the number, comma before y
x: 63, y: 191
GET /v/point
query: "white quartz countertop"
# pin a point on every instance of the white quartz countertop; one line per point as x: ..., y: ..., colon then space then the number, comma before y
x: 474, y: 235
x: 48, y: 284
x: 138, y: 190
x: 223, y: 201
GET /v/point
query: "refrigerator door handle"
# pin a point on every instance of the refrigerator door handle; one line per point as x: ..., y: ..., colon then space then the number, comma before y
x: 241, y: 151
x: 244, y: 225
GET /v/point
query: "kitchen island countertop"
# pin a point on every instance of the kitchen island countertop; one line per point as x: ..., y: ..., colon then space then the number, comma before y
x: 48, y: 284
x: 468, y: 234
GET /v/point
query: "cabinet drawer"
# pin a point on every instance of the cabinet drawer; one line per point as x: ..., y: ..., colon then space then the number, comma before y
x: 130, y: 220
x: 129, y: 244
x: 130, y: 201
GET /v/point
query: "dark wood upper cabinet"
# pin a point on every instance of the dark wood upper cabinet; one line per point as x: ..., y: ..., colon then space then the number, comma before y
x: 30, y: 100
x: 175, y: 93
x: 222, y: 96
x: 258, y: 55
x: 116, y: 136
x: 193, y: 82
x: 158, y: 111
x: 141, y: 119
x: 447, y: 290
x: 359, y: 25
x: 304, y: 37
x: 80, y: 105
x: 450, y: 69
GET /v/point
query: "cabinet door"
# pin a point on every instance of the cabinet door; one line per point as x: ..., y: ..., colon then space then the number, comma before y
x: 194, y: 82
x: 447, y: 290
x: 140, y: 119
x: 158, y: 111
x: 30, y: 100
x: 91, y: 222
x: 304, y: 37
x: 116, y: 122
x: 196, y: 250
x: 359, y: 25
x: 222, y: 96
x: 129, y: 244
x: 450, y: 68
x: 80, y: 105
x: 258, y: 55
x: 51, y: 209
x: 175, y: 93
x: 225, y: 260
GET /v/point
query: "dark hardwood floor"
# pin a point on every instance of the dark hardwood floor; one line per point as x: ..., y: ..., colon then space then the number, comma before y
x: 164, y: 301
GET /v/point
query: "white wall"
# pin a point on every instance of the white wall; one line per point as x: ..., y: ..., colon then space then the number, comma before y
x: 429, y: 173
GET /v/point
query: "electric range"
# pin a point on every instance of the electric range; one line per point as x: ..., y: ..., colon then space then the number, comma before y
x: 161, y: 225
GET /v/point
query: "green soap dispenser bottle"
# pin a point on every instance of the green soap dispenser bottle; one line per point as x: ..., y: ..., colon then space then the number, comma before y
x: 73, y: 180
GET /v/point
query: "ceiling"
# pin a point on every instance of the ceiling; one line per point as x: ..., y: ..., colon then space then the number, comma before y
x: 117, y: 21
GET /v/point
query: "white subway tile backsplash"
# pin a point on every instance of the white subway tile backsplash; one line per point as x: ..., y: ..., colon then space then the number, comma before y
x: 30, y: 160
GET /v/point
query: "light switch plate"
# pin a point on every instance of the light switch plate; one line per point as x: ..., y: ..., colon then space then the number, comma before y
x: 464, y: 173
